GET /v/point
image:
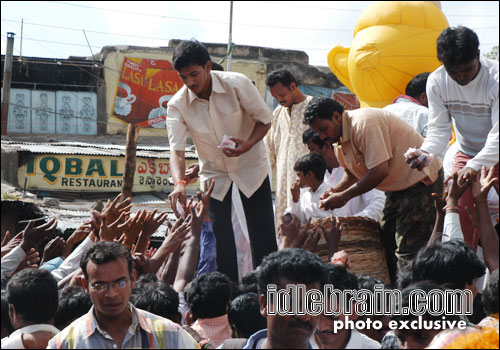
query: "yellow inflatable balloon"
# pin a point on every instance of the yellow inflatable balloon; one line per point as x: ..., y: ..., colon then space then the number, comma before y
x: 393, y: 42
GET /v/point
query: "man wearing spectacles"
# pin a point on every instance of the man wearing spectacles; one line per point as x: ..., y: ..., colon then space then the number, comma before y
x: 113, y: 322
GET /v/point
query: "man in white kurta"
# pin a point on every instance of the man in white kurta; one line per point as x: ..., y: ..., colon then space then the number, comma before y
x: 284, y: 139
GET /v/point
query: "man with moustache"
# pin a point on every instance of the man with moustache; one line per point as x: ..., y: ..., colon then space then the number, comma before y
x: 283, y: 141
x: 113, y: 322
x: 370, y: 144
x: 290, y: 266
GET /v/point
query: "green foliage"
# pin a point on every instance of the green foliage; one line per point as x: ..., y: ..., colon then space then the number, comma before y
x: 493, y: 55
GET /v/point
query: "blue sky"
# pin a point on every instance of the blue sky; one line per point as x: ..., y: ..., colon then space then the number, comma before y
x: 55, y: 28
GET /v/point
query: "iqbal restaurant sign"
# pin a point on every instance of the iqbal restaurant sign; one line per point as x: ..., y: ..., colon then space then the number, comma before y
x: 94, y: 173
x: 143, y: 91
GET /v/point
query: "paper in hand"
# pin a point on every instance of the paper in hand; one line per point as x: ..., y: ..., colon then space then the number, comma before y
x: 227, y: 143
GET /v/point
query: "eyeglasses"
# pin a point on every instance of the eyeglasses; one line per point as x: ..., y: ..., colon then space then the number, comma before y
x: 102, y: 286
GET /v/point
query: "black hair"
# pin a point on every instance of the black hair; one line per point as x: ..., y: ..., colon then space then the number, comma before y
x: 417, y: 85
x: 311, y: 162
x: 452, y: 262
x: 457, y: 46
x: 321, y: 107
x: 244, y: 315
x: 73, y: 303
x: 33, y: 293
x: 209, y: 295
x: 249, y: 284
x: 437, y: 298
x: 341, y: 278
x: 294, y: 264
x: 404, y: 277
x: 216, y: 66
x: 309, y: 135
x: 146, y: 278
x: 158, y: 298
x: 282, y: 76
x: 369, y: 283
x: 490, y: 294
x: 5, y: 316
x: 104, y: 252
x: 190, y: 52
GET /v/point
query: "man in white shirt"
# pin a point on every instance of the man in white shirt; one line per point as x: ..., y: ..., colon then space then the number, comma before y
x: 412, y: 107
x: 209, y: 106
x: 33, y: 300
x: 463, y: 92
x: 283, y: 142
x: 369, y: 204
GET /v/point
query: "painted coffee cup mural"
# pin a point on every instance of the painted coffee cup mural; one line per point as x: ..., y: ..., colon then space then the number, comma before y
x: 143, y: 91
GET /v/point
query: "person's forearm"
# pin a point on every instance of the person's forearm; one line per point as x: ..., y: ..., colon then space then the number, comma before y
x: 347, y: 181
x: 177, y: 165
x: 371, y: 180
x: 437, y: 232
x: 487, y: 235
x: 11, y: 261
x: 439, y: 125
x: 72, y: 262
x: 160, y: 257
x: 259, y: 131
x: 187, y: 263
x: 333, y: 247
x: 170, y: 267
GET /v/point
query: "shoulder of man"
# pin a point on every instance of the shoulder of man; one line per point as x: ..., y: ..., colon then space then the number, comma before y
x: 233, y: 80
x: 491, y: 67
x: 438, y: 76
x: 179, y: 96
x: 68, y: 337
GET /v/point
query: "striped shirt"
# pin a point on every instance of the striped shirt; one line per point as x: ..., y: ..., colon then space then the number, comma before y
x: 147, y: 331
x: 473, y: 110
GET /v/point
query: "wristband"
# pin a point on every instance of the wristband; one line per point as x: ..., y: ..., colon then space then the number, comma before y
x: 180, y: 182
x: 451, y: 207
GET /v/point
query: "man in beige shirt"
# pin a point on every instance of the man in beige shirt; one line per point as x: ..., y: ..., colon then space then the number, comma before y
x: 370, y: 144
x: 284, y: 140
x: 210, y: 106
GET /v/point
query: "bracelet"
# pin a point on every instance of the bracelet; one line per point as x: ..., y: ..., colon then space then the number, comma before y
x: 451, y: 207
x: 206, y: 346
x: 193, y: 245
x: 180, y: 182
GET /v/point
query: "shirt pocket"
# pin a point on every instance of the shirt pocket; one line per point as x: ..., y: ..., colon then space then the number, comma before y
x: 231, y: 124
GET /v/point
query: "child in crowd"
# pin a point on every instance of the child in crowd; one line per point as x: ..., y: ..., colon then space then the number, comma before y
x: 306, y: 192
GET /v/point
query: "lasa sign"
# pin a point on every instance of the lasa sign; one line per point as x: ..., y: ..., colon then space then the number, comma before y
x: 144, y: 89
x: 92, y: 173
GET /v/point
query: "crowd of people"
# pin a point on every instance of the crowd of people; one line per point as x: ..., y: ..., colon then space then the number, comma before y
x: 209, y: 283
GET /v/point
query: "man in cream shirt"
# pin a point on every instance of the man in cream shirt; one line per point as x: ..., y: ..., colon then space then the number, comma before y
x: 210, y: 106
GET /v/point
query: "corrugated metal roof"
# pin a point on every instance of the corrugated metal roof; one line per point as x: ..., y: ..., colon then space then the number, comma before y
x: 89, y: 149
